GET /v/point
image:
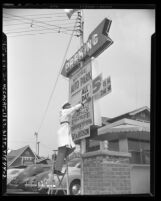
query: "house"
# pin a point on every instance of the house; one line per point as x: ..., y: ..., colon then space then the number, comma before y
x: 129, y: 132
x: 21, y: 157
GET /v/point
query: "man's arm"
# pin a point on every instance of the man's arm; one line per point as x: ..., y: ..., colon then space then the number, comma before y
x: 73, y: 109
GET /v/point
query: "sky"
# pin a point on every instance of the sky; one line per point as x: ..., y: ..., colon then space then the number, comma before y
x: 35, y: 61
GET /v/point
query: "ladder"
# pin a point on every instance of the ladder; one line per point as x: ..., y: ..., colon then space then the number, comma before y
x: 53, y: 189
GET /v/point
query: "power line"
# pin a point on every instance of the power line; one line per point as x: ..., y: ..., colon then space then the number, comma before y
x: 11, y: 34
x: 12, y: 17
x: 12, y: 31
x: 31, y: 20
x: 7, y: 18
x: 56, y: 80
x: 45, y: 21
x: 55, y: 26
x: 38, y: 33
x: 53, y: 29
x: 55, y: 21
x: 59, y: 14
x: 70, y: 28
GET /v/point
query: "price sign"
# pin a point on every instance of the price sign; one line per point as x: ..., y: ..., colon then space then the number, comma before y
x: 80, y: 89
x: 104, y: 89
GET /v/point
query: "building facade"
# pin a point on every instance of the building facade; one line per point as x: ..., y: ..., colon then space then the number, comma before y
x: 129, y: 132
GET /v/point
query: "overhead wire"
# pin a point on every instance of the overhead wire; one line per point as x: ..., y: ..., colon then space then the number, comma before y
x: 32, y: 26
x: 48, y: 14
x: 53, y: 14
x: 50, y: 97
x: 32, y: 30
x: 33, y: 20
x: 54, y: 30
x: 38, y: 33
x: 46, y: 21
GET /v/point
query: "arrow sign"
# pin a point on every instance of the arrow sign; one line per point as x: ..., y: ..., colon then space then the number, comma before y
x: 97, y: 42
x: 103, y: 40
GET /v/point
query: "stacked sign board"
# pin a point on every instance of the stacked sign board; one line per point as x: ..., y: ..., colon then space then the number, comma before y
x: 79, y: 70
x: 80, y: 89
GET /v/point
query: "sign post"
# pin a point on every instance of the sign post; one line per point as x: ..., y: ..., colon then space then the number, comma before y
x: 83, y: 84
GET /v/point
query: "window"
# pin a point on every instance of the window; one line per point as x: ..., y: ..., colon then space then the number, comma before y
x: 140, y: 157
x: 113, y: 145
x: 140, y: 151
x: 146, y: 156
x: 135, y: 157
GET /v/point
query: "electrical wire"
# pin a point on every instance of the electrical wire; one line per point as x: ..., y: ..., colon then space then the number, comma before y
x: 12, y: 31
x: 46, y: 21
x: 33, y: 20
x: 65, y: 28
x: 54, y: 14
x: 53, y: 29
x: 38, y: 33
x: 50, y: 97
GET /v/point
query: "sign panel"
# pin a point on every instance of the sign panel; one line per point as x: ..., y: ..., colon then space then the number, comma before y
x: 97, y: 84
x: 80, y: 89
x: 97, y: 42
x: 104, y: 89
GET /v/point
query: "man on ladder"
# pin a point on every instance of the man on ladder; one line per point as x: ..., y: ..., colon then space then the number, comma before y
x: 65, y: 142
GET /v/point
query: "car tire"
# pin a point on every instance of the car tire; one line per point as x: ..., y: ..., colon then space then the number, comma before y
x: 75, y: 187
x: 34, y: 188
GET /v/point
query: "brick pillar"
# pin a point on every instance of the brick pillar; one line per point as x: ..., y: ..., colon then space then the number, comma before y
x: 106, y: 172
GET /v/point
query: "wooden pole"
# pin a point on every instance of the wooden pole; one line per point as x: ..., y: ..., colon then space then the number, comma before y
x: 36, y: 135
x: 83, y: 141
x: 67, y: 176
x: 38, y: 148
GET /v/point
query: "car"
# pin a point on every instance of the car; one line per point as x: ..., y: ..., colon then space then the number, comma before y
x: 12, y: 173
x: 28, y: 172
x: 41, y: 182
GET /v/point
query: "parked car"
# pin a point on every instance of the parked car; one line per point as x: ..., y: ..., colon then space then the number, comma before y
x: 11, y: 176
x: 28, y: 172
x: 41, y: 182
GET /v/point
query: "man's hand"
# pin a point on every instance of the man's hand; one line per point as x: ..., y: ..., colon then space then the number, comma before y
x: 87, y: 100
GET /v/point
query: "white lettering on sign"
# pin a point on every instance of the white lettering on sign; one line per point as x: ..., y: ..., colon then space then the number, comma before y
x: 79, y: 79
x: 96, y: 84
x: 105, y: 88
x: 96, y: 43
x: 81, y: 134
x: 82, y: 52
x: 80, y: 89
x: 85, y: 92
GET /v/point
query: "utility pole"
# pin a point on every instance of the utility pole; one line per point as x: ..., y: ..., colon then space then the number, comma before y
x: 36, y: 137
x: 38, y: 147
x: 83, y: 141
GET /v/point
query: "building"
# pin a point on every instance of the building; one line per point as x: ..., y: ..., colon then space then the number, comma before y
x: 21, y: 157
x: 129, y: 132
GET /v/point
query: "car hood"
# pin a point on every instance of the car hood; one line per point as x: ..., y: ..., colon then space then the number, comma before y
x: 29, y: 172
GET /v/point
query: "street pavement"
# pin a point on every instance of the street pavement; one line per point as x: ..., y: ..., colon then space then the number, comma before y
x: 21, y: 192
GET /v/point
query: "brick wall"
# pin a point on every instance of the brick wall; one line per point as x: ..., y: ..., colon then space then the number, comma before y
x: 106, y: 172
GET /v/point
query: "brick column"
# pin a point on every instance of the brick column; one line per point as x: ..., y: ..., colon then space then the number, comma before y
x: 106, y: 172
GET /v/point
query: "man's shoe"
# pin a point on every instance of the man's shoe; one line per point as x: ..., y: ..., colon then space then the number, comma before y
x: 58, y: 172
